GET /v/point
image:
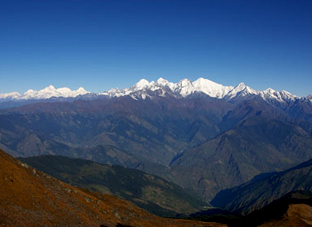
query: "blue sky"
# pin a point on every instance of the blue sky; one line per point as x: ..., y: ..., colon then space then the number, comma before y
x: 102, y: 44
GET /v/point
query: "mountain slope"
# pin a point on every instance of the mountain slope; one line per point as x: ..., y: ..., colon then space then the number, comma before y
x: 201, y: 135
x: 147, y: 191
x: 154, y: 130
x: 293, y: 209
x: 265, y: 188
x: 31, y: 198
x: 150, y: 134
x: 255, y: 146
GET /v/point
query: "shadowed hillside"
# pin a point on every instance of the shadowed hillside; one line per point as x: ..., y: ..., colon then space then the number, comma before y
x: 292, y: 210
x: 147, y: 191
x: 265, y: 188
x: 257, y: 145
x: 31, y: 198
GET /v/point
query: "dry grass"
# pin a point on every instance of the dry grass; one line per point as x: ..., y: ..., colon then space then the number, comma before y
x: 31, y: 198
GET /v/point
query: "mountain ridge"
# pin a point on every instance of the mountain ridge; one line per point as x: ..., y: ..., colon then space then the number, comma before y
x: 149, y: 134
x: 45, y: 93
x: 163, y: 87
x: 265, y: 188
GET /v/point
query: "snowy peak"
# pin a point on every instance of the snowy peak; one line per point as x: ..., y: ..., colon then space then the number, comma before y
x: 141, y: 84
x: 183, y: 88
x: 45, y: 93
x: 186, y: 87
x: 211, y: 88
x: 241, y: 90
x: 282, y: 96
x: 162, y: 81
x: 51, y: 91
x: 161, y: 88
x: 11, y: 95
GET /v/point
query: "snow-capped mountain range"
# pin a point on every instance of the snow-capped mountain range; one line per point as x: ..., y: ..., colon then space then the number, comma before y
x: 45, y: 93
x: 186, y: 87
x: 144, y: 89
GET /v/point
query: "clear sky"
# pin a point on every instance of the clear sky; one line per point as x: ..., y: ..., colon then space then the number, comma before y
x: 103, y: 44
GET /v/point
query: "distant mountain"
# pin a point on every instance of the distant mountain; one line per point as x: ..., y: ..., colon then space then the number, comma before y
x: 186, y: 88
x: 45, y: 93
x: 152, y: 130
x: 29, y: 197
x: 259, y: 143
x: 264, y: 189
x: 145, y: 89
x: 200, y: 135
x: 147, y: 191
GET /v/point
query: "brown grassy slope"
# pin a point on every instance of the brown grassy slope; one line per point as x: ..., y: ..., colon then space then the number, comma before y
x: 32, y: 198
x: 296, y: 215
